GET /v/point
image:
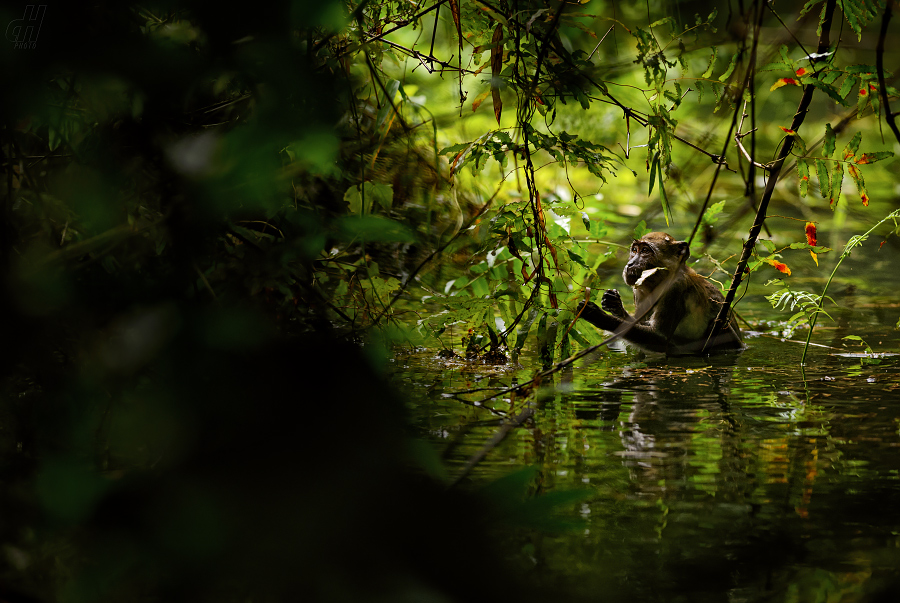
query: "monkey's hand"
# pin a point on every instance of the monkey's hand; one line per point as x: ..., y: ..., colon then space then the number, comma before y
x: 612, y: 303
x: 592, y: 313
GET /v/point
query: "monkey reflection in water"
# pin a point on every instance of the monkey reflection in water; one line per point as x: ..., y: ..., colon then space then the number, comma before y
x: 681, y: 322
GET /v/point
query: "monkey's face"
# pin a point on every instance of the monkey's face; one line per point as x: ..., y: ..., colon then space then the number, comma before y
x: 654, y: 250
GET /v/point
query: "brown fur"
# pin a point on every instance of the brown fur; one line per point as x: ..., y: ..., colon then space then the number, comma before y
x: 682, y: 320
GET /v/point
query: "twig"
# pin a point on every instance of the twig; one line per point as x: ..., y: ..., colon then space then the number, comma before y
x: 600, y: 42
x: 879, y: 66
x: 492, y: 443
x: 799, y: 116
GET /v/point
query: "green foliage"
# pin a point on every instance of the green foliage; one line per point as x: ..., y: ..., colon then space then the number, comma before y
x: 804, y: 304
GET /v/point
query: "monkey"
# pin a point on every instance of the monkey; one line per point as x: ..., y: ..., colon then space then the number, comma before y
x: 682, y: 320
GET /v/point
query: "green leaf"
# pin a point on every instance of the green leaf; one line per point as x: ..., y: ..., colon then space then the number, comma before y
x: 852, y: 146
x: 828, y: 89
x: 850, y: 84
x: 824, y: 176
x: 712, y: 63
x: 837, y: 181
x: 867, y: 158
x: 578, y: 259
x: 828, y: 146
x: 803, y: 176
x: 641, y: 229
x: 667, y: 209
x: 392, y: 87
x: 857, y: 177
x: 711, y: 215
x: 730, y: 70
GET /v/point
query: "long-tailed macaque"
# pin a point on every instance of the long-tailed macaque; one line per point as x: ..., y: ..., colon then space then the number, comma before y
x: 682, y: 320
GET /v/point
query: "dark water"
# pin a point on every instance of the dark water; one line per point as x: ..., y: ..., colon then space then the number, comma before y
x: 735, y: 478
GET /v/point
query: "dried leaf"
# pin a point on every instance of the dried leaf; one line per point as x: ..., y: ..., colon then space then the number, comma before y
x: 479, y: 99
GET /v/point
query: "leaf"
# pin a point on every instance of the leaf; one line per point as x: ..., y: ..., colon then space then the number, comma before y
x: 392, y: 87
x: 496, y: 68
x: 837, y: 182
x: 803, y: 175
x: 828, y: 146
x: 641, y: 229
x: 730, y: 69
x: 454, y: 10
x: 769, y: 245
x: 711, y: 215
x: 828, y: 89
x: 480, y: 99
x: 712, y: 63
x: 850, y: 84
x: 785, y: 81
x: 779, y: 266
x: 810, y: 233
x: 860, y: 183
x: 809, y: 4
x: 653, y: 165
x: 873, y: 157
x: 862, y: 99
x: 664, y: 199
x: 578, y: 259
x: 824, y: 178
x: 852, y: 146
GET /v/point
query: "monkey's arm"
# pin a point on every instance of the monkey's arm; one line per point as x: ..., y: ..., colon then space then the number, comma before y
x: 652, y: 340
x: 638, y: 334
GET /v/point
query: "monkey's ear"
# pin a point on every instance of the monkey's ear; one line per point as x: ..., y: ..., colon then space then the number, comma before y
x: 684, y: 249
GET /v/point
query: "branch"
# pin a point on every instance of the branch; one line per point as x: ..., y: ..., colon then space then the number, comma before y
x: 879, y: 66
x: 824, y: 43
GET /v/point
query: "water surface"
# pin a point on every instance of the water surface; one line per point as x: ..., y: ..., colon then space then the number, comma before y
x: 733, y: 478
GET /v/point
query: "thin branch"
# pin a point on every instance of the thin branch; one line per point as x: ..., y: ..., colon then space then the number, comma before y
x: 879, y: 66
x: 824, y: 43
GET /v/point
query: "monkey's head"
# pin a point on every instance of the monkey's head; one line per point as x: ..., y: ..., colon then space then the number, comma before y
x: 654, y: 250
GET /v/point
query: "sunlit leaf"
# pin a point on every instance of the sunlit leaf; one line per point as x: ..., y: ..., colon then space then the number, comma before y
x: 824, y: 175
x: 860, y: 183
x: 803, y: 175
x: 780, y: 266
x: 480, y: 99
x: 873, y: 157
x: 785, y: 81
x: 810, y: 233
x: 830, y: 139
